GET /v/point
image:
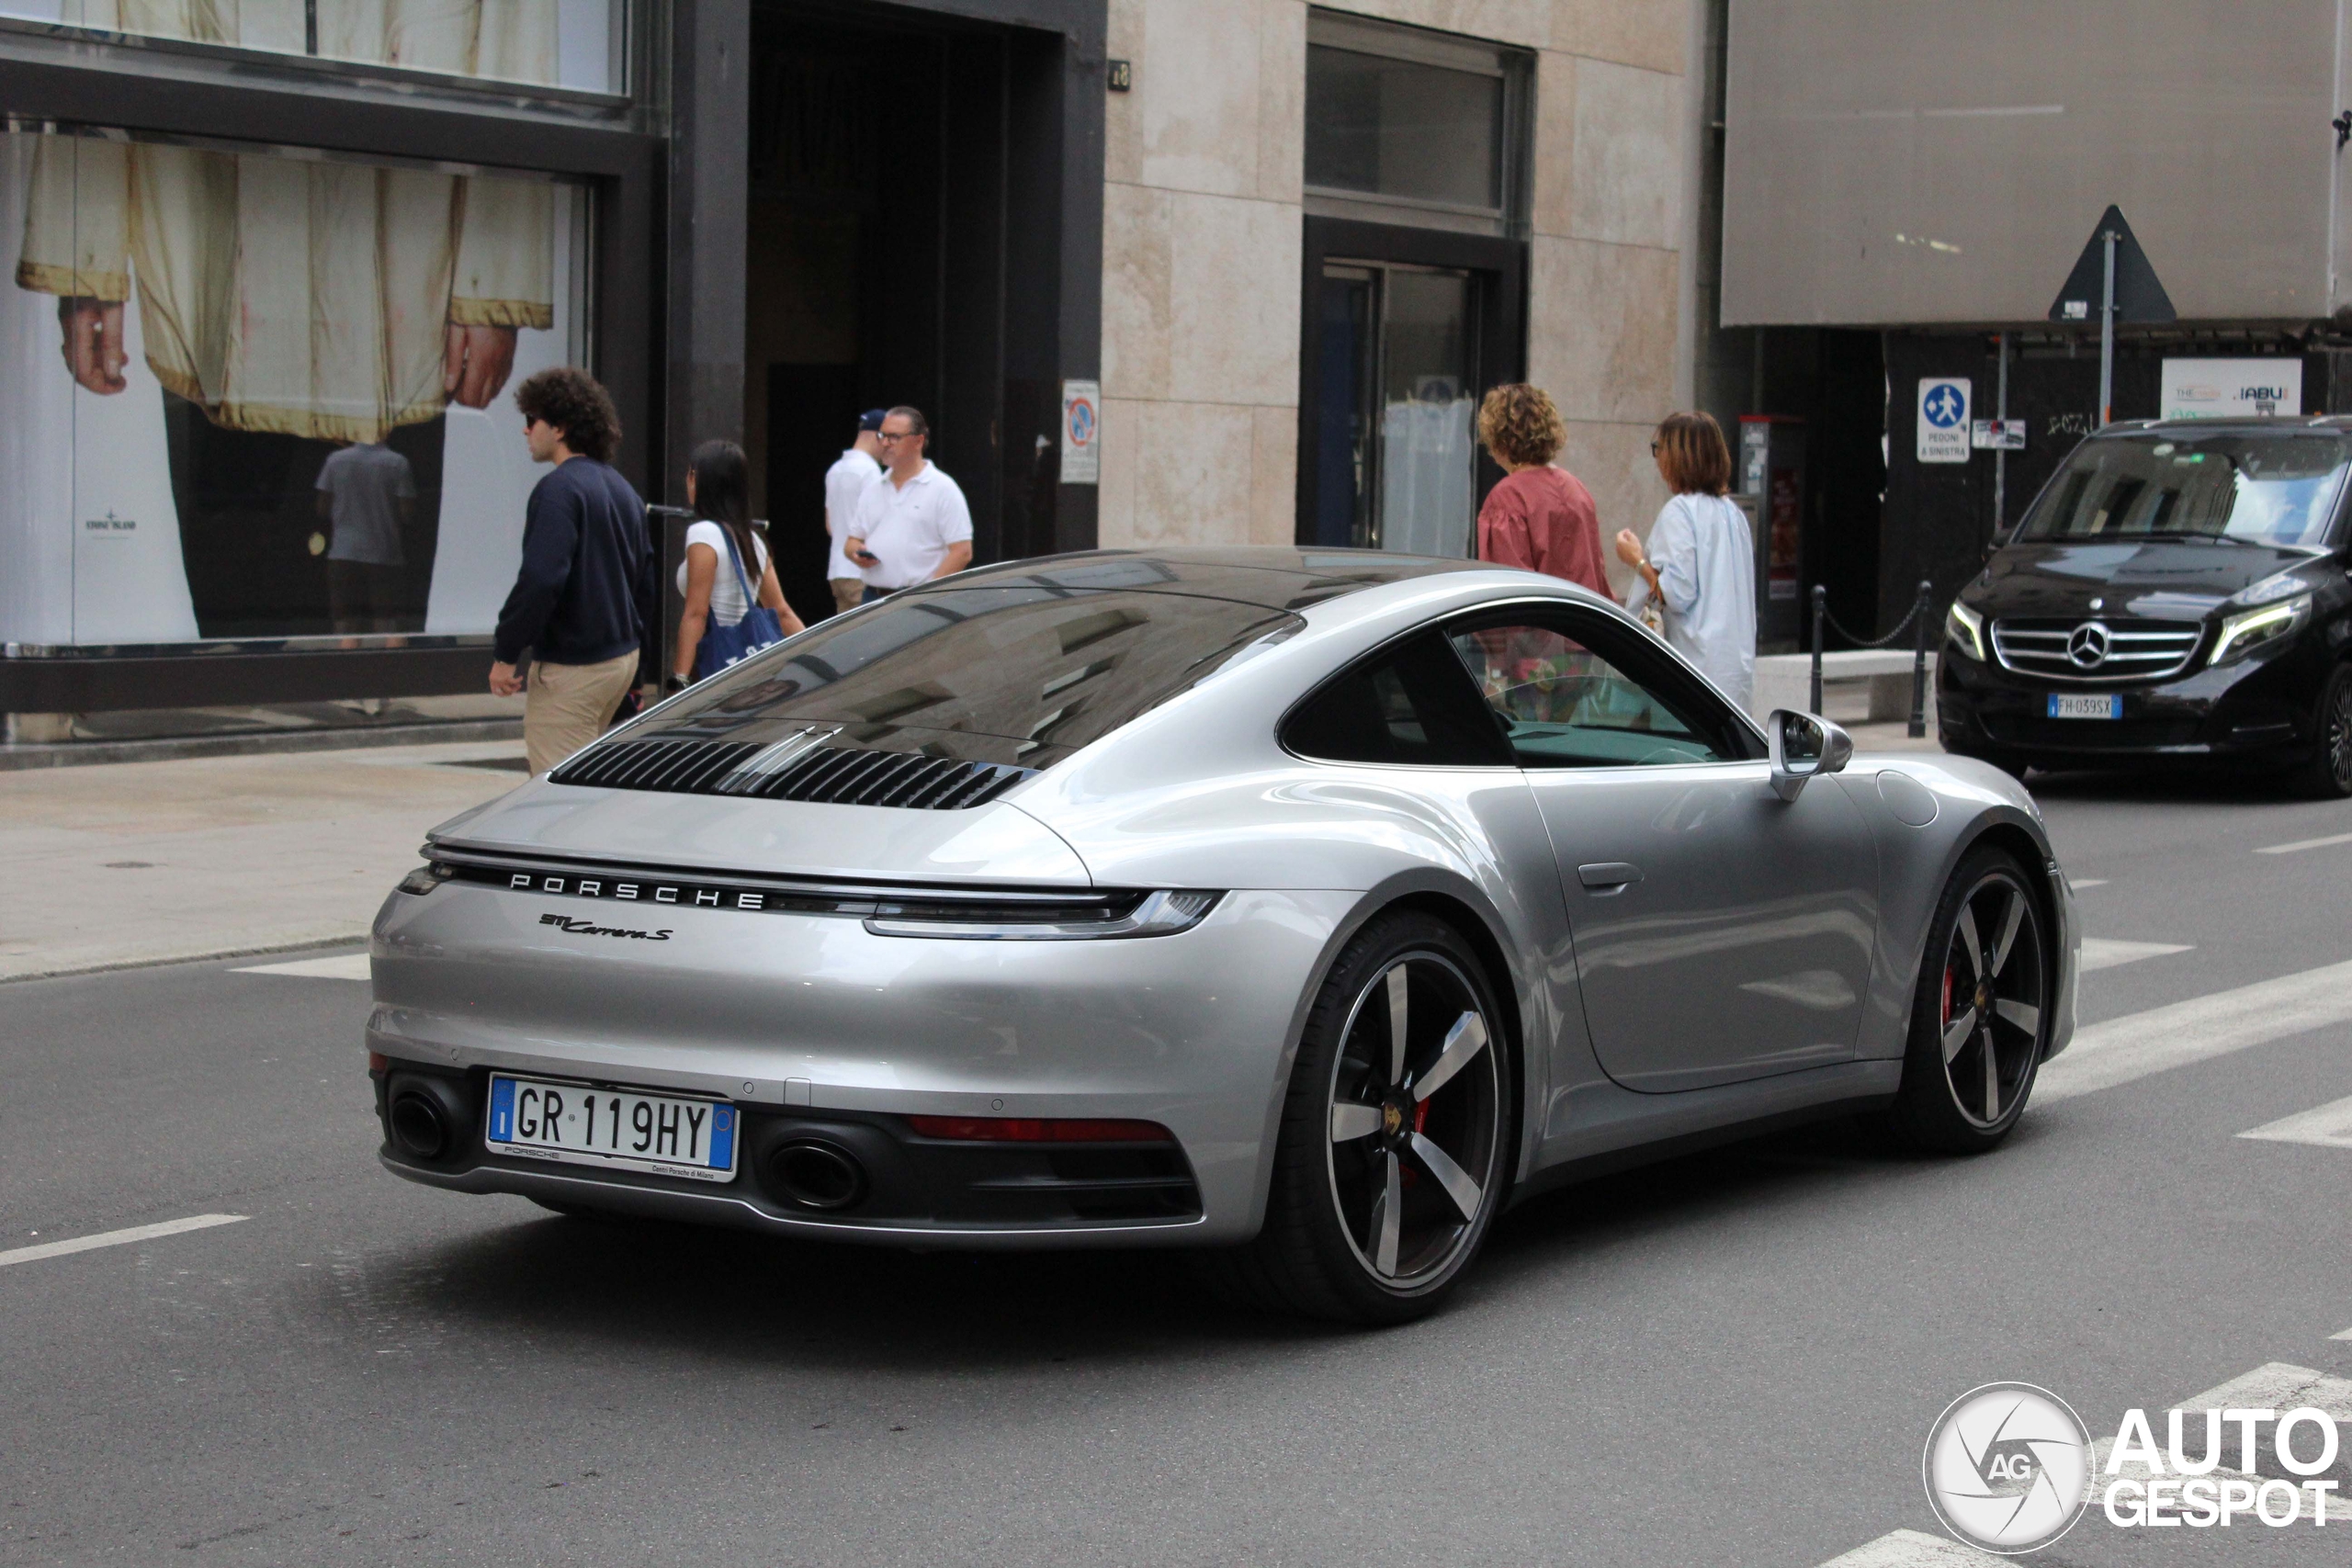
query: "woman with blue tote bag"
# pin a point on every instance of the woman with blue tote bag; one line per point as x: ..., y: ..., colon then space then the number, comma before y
x: 724, y: 620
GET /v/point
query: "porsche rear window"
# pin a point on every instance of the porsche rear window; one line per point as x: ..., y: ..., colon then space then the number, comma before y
x: 1045, y: 667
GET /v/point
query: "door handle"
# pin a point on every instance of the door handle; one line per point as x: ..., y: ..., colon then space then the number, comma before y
x: 1609, y: 873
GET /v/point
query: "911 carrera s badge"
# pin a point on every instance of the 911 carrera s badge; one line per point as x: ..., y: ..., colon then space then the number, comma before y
x: 590, y: 928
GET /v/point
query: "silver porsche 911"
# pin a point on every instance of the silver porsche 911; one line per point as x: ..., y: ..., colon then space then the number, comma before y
x: 1308, y: 906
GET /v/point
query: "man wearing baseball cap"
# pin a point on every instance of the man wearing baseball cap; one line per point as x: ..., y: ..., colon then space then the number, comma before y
x: 845, y: 485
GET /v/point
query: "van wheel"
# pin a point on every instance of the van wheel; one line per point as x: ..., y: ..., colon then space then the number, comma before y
x: 2328, y: 774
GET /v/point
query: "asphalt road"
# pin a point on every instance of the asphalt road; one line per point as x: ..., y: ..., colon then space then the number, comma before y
x: 1728, y: 1359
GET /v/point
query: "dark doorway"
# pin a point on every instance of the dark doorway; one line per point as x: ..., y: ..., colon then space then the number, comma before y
x: 896, y: 258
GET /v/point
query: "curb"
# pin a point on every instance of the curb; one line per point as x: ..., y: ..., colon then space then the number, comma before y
x: 112, y: 965
x: 81, y: 754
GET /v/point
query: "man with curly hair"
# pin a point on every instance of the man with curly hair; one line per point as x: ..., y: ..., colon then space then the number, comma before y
x: 586, y: 592
x: 1538, y: 518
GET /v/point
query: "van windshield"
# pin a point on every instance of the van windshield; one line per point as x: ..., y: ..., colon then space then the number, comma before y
x: 2267, y: 489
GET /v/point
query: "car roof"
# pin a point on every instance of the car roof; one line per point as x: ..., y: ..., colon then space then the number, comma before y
x: 2233, y: 424
x: 1279, y: 577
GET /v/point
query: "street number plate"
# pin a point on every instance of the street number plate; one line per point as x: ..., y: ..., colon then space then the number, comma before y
x: 2108, y: 705
x: 575, y: 1123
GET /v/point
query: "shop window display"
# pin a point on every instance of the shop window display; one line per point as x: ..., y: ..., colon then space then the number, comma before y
x: 564, y: 43
x: 249, y: 395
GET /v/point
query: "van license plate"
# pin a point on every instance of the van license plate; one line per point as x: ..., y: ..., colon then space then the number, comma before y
x: 2111, y: 706
x: 577, y: 1123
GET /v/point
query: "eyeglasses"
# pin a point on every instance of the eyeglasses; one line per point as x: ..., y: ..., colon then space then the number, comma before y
x: 1655, y: 448
x: 529, y: 419
x: 901, y: 435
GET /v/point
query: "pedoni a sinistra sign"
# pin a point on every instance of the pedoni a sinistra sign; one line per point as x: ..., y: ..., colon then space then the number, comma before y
x: 1943, y: 419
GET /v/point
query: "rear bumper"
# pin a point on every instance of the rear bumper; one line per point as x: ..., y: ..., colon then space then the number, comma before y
x: 910, y: 1187
x: 814, y: 1027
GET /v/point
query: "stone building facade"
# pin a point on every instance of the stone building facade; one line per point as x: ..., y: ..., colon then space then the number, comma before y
x: 1204, y: 210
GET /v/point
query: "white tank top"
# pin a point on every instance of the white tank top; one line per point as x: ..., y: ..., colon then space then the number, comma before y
x: 727, y: 605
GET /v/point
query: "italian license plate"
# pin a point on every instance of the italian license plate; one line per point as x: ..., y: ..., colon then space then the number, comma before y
x: 575, y: 1123
x: 2107, y: 705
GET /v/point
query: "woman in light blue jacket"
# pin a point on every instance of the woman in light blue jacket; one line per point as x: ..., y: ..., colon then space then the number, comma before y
x: 1700, y: 562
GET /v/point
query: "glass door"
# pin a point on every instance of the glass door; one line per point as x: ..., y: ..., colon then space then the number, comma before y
x: 1396, y: 380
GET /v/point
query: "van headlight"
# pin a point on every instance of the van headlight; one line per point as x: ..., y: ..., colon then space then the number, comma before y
x: 1965, y: 628
x: 2251, y: 629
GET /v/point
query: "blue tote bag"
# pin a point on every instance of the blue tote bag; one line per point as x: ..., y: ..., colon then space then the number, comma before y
x: 760, y: 627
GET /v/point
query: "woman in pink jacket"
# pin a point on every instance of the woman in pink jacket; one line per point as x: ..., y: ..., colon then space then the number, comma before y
x: 1539, y: 517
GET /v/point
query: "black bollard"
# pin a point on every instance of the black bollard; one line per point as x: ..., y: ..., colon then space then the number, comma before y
x: 1820, y: 608
x: 1919, y: 660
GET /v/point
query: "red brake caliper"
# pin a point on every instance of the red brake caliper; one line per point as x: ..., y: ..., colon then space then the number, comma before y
x: 1946, y: 1014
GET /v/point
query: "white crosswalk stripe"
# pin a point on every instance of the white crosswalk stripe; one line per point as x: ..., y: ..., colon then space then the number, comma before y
x: 346, y: 966
x: 2123, y: 1049
x: 2106, y: 953
x: 1911, y: 1549
x: 2302, y: 844
x: 39, y: 1251
x: 2329, y: 1125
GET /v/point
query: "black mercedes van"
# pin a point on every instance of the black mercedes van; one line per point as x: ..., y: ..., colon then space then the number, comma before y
x: 2178, y: 591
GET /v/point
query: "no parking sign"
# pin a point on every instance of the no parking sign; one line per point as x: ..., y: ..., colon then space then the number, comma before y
x: 1081, y: 433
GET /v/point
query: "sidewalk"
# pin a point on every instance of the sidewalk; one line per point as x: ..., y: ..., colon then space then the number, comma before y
x: 141, y: 862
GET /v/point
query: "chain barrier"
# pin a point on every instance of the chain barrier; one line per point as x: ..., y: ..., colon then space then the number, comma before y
x: 1901, y: 627
x: 1914, y: 623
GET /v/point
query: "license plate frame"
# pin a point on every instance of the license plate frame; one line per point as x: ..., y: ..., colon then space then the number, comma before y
x: 608, y: 1112
x: 2085, y: 705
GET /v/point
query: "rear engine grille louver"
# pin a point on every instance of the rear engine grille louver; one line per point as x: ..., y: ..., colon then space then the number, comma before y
x: 792, y: 770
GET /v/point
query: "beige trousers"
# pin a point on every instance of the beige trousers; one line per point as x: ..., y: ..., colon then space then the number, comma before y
x: 569, y: 704
x: 849, y: 592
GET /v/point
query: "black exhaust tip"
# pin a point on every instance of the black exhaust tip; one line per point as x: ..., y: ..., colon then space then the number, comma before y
x: 418, y: 1125
x: 816, y: 1175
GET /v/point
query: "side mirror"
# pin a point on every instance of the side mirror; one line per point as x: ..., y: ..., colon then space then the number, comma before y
x: 1804, y: 745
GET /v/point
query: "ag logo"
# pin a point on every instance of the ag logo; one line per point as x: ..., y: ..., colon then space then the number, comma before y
x: 2008, y: 1467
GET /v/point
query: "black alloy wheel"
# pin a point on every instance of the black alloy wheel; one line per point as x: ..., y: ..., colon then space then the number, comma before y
x: 1980, y: 1019
x: 1395, y: 1148
x: 2328, y: 775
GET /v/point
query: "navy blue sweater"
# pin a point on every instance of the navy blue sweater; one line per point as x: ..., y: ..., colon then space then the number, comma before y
x: 586, y: 591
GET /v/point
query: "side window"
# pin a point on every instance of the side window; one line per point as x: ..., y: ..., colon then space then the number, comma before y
x: 1411, y: 703
x: 1609, y: 703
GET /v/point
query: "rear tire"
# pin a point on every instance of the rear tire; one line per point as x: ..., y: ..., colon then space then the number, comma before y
x: 1392, y: 1160
x: 2328, y: 774
x: 1981, y: 1016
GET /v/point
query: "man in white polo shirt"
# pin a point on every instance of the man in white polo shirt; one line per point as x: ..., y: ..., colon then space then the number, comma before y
x: 913, y: 526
